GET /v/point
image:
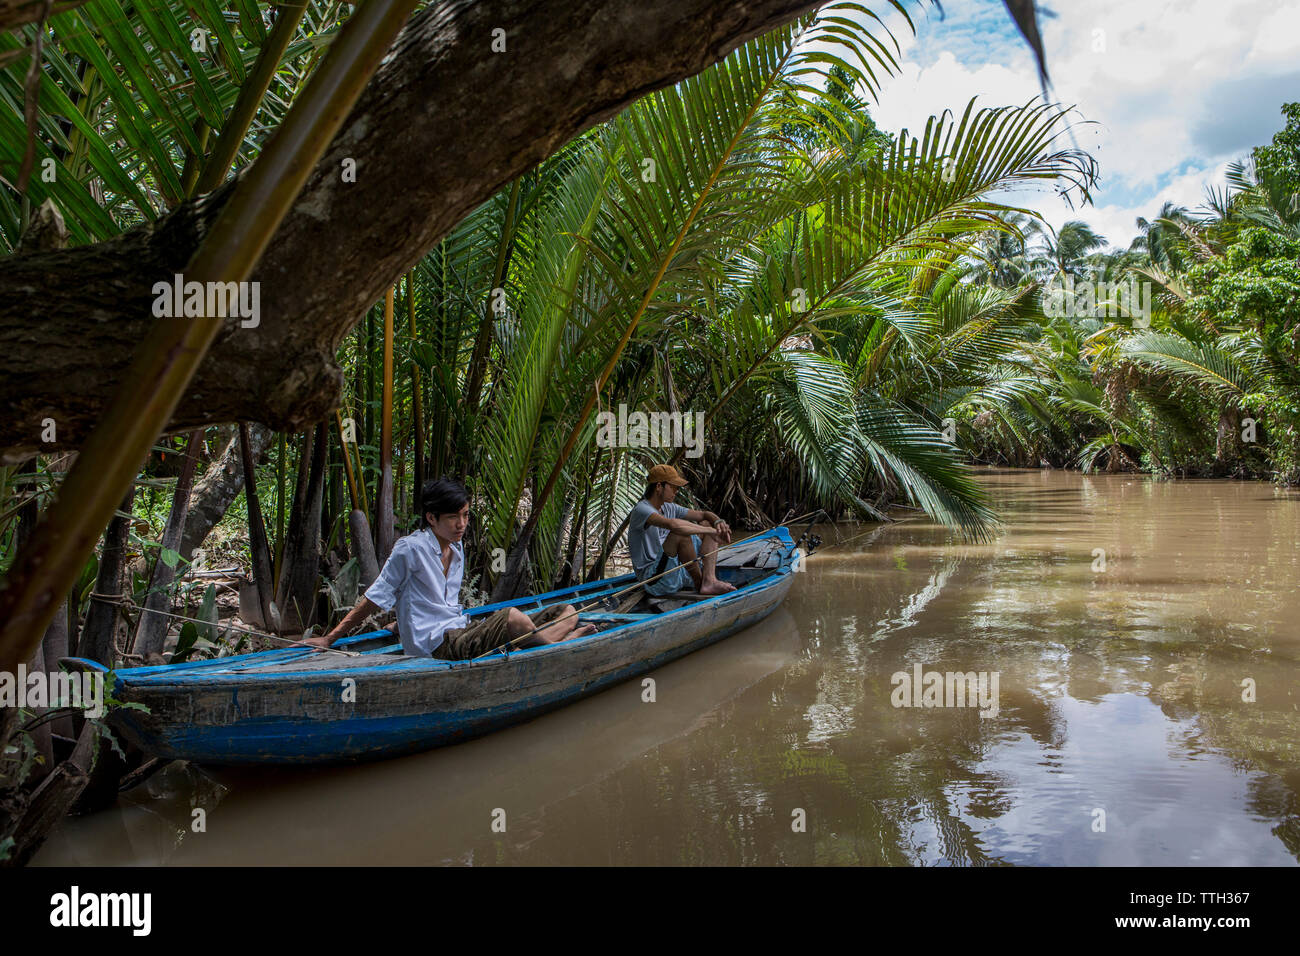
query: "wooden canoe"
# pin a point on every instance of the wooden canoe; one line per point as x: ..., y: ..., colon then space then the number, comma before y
x: 367, y: 700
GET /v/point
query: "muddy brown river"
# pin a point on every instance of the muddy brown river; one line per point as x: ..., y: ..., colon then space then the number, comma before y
x: 1131, y: 651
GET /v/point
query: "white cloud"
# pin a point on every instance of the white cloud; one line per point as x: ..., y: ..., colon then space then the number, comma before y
x: 918, y: 93
x: 1118, y: 224
x: 1276, y: 40
x: 1176, y: 89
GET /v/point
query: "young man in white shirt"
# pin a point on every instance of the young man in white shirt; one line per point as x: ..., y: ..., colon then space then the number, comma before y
x: 422, y: 578
x: 665, y: 537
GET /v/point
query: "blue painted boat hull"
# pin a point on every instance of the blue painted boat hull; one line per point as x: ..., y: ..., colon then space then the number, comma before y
x: 294, y: 706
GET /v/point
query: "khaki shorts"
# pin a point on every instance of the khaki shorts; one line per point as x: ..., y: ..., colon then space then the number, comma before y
x: 486, y: 634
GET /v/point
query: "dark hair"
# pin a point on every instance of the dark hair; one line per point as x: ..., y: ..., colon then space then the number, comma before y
x: 650, y: 489
x: 441, y: 496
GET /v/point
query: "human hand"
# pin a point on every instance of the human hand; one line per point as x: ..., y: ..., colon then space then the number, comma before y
x: 321, y: 643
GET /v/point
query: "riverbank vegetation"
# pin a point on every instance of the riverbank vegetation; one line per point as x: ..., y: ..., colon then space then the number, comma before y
x: 853, y: 317
x: 1198, y: 381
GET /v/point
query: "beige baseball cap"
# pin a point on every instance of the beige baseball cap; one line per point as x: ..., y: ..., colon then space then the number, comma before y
x: 666, y: 473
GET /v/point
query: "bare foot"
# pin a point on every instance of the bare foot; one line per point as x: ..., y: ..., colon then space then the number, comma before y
x: 717, y: 587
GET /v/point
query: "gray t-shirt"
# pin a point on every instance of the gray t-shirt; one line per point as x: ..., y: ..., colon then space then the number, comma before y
x: 645, y: 540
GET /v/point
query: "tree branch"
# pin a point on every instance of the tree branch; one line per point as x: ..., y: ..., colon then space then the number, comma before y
x: 443, y: 124
x: 15, y: 13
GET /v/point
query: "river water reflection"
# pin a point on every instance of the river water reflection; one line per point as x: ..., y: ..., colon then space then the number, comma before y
x: 1121, y: 617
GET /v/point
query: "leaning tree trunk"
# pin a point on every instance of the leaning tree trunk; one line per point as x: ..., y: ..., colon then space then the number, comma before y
x: 219, y: 486
x: 152, y: 632
x: 94, y: 302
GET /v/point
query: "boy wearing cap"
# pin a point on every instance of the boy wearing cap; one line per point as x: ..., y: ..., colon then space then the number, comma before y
x: 667, y: 537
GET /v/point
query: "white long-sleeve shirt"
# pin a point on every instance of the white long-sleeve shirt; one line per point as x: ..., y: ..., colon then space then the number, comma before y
x: 427, y: 601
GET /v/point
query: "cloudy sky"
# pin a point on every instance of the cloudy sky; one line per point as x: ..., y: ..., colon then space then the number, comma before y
x: 1177, y: 88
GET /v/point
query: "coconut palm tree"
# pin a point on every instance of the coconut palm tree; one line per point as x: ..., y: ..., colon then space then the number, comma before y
x: 1161, y: 238
x: 1068, y: 248
x: 640, y: 252
x: 1005, y: 257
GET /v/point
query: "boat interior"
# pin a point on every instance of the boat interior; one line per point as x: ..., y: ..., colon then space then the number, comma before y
x: 614, y: 602
x: 605, y: 604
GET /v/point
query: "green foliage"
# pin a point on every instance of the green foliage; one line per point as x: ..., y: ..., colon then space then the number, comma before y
x: 695, y: 239
x: 1221, y: 347
x: 1255, y: 283
x: 111, y: 703
x: 125, y: 105
x: 838, y: 119
x: 17, y: 766
x: 1279, y: 162
x: 837, y: 302
x: 23, y: 755
x: 185, y: 642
